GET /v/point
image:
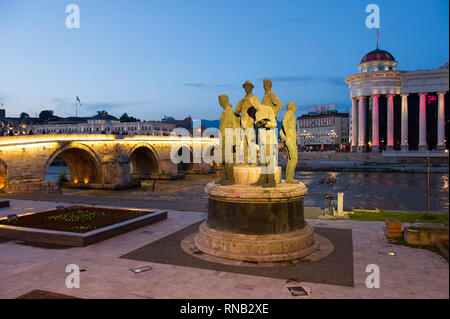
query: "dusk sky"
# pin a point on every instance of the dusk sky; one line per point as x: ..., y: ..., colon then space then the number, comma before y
x: 156, y: 58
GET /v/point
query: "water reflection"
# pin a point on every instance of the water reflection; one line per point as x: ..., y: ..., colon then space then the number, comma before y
x: 54, y: 171
x: 397, y: 191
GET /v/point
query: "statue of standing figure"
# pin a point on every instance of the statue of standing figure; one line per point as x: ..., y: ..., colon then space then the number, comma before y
x: 264, y: 117
x: 289, y: 136
x: 270, y: 98
x: 247, y: 125
x: 228, y: 122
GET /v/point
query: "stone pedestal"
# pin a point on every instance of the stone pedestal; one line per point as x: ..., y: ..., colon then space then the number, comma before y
x: 247, y: 175
x: 253, y: 223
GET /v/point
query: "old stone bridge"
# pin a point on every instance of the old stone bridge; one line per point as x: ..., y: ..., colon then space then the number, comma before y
x: 100, y: 161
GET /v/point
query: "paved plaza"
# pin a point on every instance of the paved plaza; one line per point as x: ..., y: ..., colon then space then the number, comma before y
x: 410, y: 273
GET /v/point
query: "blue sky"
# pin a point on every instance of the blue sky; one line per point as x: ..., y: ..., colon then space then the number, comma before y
x: 151, y: 58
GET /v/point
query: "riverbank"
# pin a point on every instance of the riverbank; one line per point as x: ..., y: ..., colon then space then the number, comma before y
x: 362, y: 190
x: 386, y: 162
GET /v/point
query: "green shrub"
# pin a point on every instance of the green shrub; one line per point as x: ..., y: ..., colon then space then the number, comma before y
x: 63, y: 176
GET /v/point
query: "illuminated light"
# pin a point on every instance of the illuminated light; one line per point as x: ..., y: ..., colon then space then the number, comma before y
x: 51, y: 139
x: 22, y: 145
x: 392, y: 254
x: 86, y: 180
x: 75, y: 181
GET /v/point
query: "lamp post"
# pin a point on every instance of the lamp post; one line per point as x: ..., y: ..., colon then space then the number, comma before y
x: 428, y: 186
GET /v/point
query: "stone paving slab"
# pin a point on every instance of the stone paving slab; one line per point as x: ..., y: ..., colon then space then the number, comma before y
x: 412, y: 273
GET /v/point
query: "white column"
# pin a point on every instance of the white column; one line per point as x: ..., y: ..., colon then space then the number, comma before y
x: 441, y: 121
x: 390, y: 122
x: 423, y: 122
x: 354, y: 124
x: 362, y: 124
x: 404, y: 139
x: 375, y: 124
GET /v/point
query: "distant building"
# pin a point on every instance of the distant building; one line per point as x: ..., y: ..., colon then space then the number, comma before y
x: 398, y: 110
x: 187, y: 124
x: 153, y: 128
x: 350, y: 125
x: 323, y: 130
x: 102, y: 123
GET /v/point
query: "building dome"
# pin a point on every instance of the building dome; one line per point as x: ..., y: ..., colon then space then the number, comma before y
x: 377, y: 55
x: 376, y: 61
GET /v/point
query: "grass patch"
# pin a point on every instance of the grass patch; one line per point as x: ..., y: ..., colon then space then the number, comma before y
x: 383, y: 215
x: 426, y: 228
x: 403, y: 242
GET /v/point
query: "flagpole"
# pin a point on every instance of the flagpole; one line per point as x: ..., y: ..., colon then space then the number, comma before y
x: 378, y: 37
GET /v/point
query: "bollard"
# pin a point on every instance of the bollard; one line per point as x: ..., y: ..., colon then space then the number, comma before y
x: 340, y: 204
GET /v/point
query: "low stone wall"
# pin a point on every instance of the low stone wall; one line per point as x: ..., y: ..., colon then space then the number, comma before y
x: 70, y: 239
x: 373, y: 162
x: 33, y: 186
x: 393, y: 157
x: 425, y: 237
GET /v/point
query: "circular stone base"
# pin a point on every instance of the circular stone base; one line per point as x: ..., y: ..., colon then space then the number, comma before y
x: 256, y: 210
x: 256, y: 248
x: 326, y: 247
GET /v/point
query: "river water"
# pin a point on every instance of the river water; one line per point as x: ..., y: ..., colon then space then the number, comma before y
x: 395, y: 191
x: 389, y: 191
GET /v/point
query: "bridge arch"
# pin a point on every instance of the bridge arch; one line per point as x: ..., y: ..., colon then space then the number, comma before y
x: 3, y: 175
x: 186, y: 154
x: 144, y: 161
x: 209, y: 154
x: 83, y: 163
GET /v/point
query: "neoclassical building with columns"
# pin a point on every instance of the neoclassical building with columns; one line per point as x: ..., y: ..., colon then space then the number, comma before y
x: 398, y: 110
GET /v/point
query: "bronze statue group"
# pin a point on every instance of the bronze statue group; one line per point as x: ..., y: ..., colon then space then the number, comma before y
x: 237, y: 131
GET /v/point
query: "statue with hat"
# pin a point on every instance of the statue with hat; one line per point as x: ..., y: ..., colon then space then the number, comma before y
x: 247, y: 125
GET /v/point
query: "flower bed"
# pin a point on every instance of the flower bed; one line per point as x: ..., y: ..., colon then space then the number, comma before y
x: 77, y: 225
x: 77, y: 219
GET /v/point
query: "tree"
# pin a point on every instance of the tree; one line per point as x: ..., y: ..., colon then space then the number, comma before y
x: 24, y: 115
x: 46, y: 115
x: 168, y: 119
x: 126, y: 119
